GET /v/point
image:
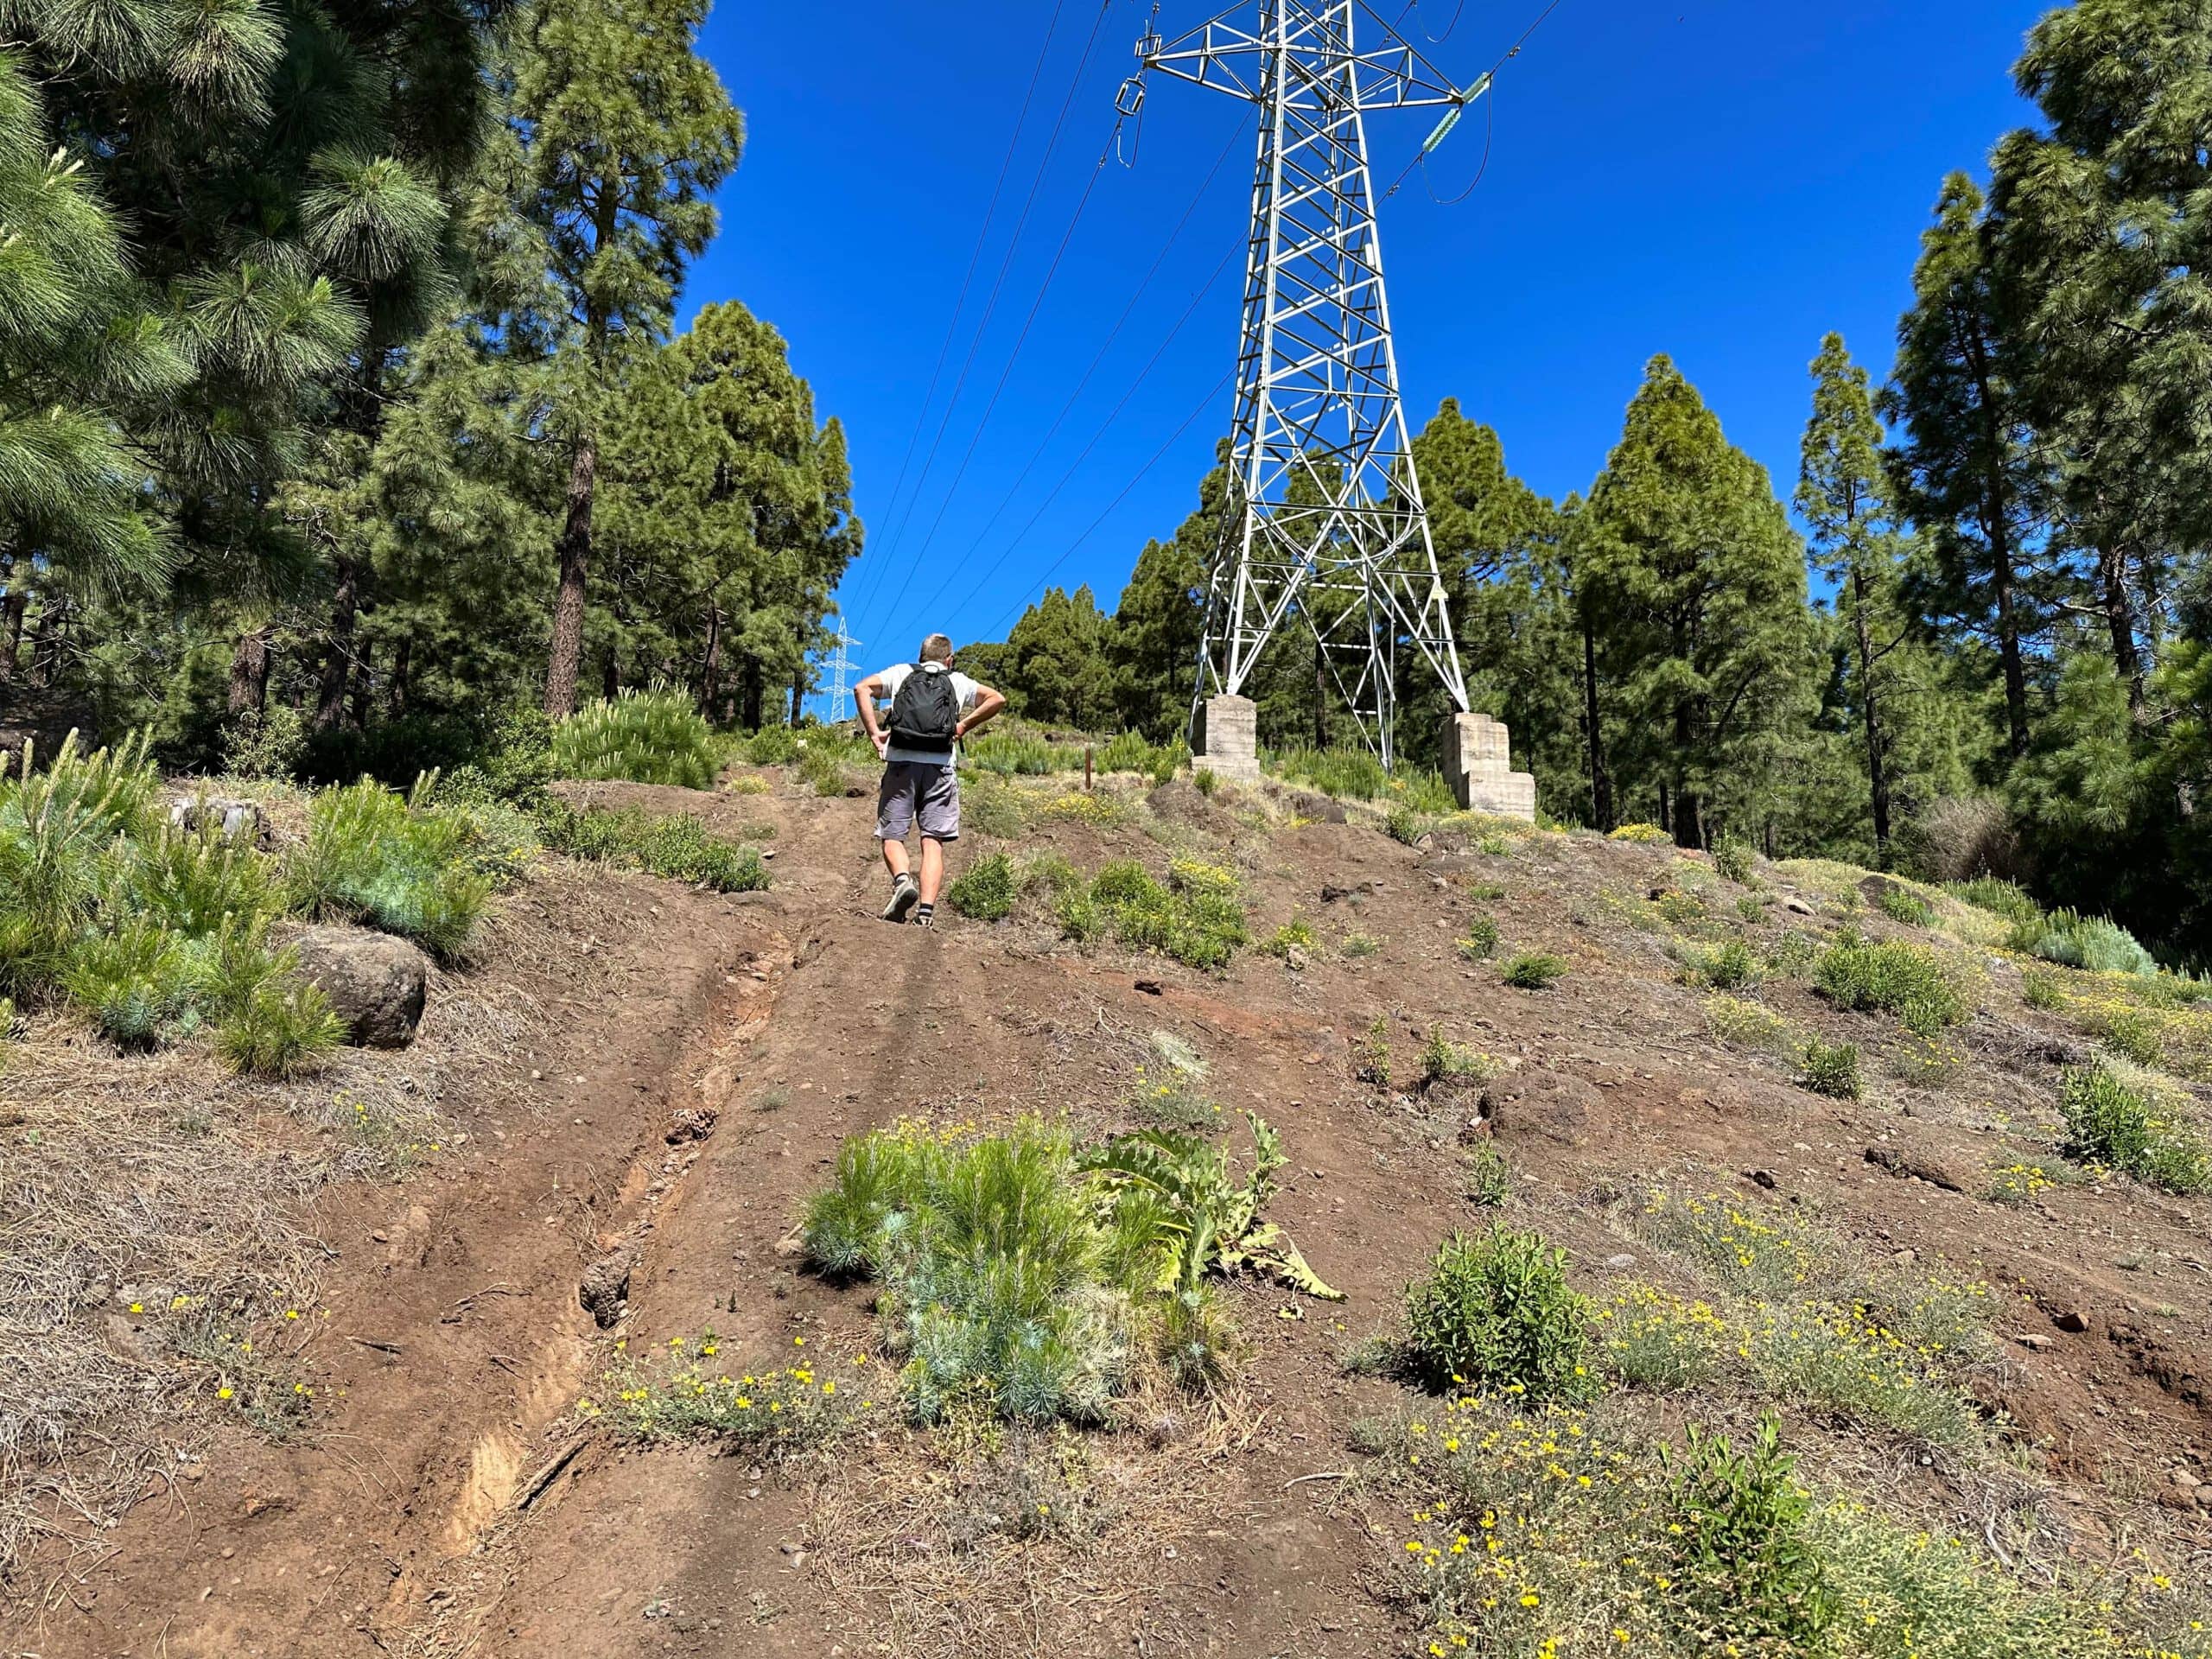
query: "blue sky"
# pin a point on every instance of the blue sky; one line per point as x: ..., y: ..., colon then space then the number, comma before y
x: 1720, y: 179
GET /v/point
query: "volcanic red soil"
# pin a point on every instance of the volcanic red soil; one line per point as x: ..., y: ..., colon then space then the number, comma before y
x: 706, y: 1055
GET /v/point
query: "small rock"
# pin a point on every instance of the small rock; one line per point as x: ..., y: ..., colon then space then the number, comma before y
x: 1624, y: 1260
x: 2072, y: 1319
x: 1762, y: 1177
x: 1295, y: 959
x: 2032, y: 1342
x: 2203, y: 1495
x: 232, y: 819
x: 1797, y: 906
x: 606, y: 1287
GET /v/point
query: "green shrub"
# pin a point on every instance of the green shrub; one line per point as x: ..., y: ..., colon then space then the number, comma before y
x: 822, y: 768
x: 1195, y: 1340
x: 1906, y: 980
x: 1640, y: 833
x: 991, y: 807
x: 1733, y: 858
x: 2095, y: 943
x: 1480, y: 943
x: 1196, y: 917
x: 677, y: 846
x: 1291, y: 936
x: 1015, y: 753
x: 1020, y: 1273
x: 1205, y: 781
x: 1902, y: 904
x: 278, y: 1029
x: 265, y: 744
x: 1745, y: 1023
x: 1495, y: 1311
x: 136, y: 981
x: 1404, y: 825
x: 655, y: 736
x: 680, y: 1392
x: 1830, y: 1069
x: 1489, y: 1178
x: 772, y: 746
x: 189, y: 882
x: 1748, y: 1579
x: 986, y: 889
x: 1357, y: 774
x: 2007, y: 899
x: 1534, y: 970
x: 58, y: 828
x: 2132, y: 1124
x: 1359, y: 944
x: 1442, y: 1059
x: 1729, y: 967
x: 2043, y: 987
x: 373, y: 857
x: 1131, y: 752
x: 1370, y: 1054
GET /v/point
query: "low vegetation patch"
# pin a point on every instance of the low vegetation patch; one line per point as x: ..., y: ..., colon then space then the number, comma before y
x: 684, y: 1391
x: 1035, y: 1277
x: 986, y: 890
x: 1643, y: 834
x: 655, y: 736
x: 1909, y: 980
x: 677, y: 846
x: 1357, y: 775
x: 160, y: 934
x: 1729, y: 967
x: 1495, y: 1312
x: 1742, y: 1023
x: 1900, y: 903
x: 1480, y: 943
x: 2126, y: 1118
x: 1196, y: 916
x: 1291, y: 938
x: 1534, y: 970
x: 1830, y: 1069
x: 2095, y: 943
x: 1569, y: 1532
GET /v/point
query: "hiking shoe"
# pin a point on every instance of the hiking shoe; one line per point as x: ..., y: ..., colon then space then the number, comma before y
x: 927, y: 918
x: 904, y: 895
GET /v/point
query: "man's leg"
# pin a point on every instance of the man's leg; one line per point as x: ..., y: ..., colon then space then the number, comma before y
x: 937, y: 812
x: 932, y: 869
x: 894, y: 816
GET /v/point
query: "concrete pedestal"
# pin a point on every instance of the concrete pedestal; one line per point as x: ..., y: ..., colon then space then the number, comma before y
x: 1478, y: 764
x: 1227, y: 742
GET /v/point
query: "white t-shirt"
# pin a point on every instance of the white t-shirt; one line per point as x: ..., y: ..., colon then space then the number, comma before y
x: 963, y: 692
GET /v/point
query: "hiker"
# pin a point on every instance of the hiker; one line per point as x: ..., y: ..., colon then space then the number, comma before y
x: 933, y: 709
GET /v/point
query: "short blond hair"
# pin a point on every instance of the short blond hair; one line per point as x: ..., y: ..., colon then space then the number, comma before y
x: 936, y: 648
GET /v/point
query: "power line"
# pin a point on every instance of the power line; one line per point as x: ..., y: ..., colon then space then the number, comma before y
x: 1099, y: 357
x: 998, y: 283
x: 1019, y: 605
x: 1104, y: 425
x: 975, y: 258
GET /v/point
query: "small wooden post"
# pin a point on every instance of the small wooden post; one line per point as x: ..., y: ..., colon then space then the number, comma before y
x: 1086, y: 768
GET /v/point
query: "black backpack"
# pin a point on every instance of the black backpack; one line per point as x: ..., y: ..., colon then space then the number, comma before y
x: 926, y: 711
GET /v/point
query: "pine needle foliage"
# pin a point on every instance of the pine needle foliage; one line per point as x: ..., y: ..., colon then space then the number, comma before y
x: 373, y: 856
x: 655, y: 736
x: 1033, y: 1276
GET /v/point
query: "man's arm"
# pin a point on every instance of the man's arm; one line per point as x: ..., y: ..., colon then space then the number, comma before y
x: 864, y: 696
x: 988, y: 704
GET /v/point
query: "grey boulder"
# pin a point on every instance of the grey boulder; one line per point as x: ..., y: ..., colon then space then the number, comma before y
x: 376, y: 982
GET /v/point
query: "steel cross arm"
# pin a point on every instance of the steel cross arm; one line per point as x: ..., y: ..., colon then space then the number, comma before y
x: 1225, y: 57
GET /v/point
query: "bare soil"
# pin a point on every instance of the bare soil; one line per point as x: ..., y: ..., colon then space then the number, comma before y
x: 705, y: 1058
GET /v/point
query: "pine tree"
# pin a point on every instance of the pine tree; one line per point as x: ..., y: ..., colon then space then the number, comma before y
x: 1855, y: 542
x: 1963, y: 468
x: 1690, y: 562
x: 2099, y: 221
x: 1153, y: 646
x: 622, y: 134
x: 1059, y: 658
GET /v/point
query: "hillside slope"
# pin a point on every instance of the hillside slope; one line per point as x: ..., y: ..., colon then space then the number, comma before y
x: 450, y: 1495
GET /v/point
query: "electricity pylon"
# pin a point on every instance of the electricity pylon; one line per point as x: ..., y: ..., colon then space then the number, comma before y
x: 1327, y: 519
x: 839, y: 666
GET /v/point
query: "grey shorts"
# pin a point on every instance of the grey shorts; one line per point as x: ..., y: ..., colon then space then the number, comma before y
x: 915, y: 789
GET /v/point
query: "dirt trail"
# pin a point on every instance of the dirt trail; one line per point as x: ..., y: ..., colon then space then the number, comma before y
x: 439, y: 1511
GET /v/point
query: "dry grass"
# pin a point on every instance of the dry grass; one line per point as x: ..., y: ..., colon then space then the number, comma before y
x: 167, y: 1182
x: 987, y: 1584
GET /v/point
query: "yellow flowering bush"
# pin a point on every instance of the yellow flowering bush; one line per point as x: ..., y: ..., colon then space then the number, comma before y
x: 681, y: 1393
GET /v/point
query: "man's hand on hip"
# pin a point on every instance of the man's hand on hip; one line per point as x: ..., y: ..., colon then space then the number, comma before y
x: 882, y: 741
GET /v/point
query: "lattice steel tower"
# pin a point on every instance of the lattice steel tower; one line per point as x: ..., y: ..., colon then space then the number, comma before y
x: 840, y: 666
x: 1327, y: 519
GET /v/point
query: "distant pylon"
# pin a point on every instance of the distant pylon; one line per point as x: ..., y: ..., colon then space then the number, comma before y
x: 840, y: 666
x: 1326, y: 519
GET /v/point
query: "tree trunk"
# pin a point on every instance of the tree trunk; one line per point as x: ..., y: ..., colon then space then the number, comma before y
x: 403, y: 661
x: 11, y: 630
x: 249, y: 690
x: 566, y: 655
x: 1601, y: 785
x: 2008, y: 647
x: 610, y: 673
x: 1320, y: 696
x: 1878, y: 777
x: 2119, y: 620
x: 710, y: 661
x: 1688, y: 825
x: 1665, y: 818
x: 754, y: 696
x: 337, y: 655
x: 45, y: 643
x: 364, y: 685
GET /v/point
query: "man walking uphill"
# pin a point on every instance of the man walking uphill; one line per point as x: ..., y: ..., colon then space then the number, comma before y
x: 931, y: 710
